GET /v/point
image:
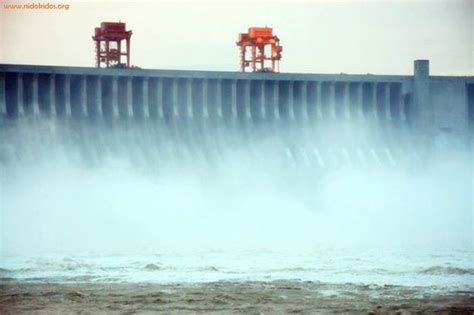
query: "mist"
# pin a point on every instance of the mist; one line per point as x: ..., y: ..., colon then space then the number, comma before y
x: 129, y: 190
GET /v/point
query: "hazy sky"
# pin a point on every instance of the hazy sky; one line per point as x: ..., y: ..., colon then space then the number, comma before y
x: 317, y: 36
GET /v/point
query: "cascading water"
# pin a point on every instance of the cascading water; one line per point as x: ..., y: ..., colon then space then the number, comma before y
x: 203, y: 201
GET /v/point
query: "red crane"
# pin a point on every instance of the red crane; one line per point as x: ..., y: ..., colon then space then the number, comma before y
x: 258, y: 39
x: 108, y: 45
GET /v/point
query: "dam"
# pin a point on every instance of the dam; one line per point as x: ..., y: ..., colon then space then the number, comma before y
x: 187, y: 104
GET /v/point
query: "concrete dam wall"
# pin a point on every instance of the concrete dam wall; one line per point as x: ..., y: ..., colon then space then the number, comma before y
x: 192, y: 103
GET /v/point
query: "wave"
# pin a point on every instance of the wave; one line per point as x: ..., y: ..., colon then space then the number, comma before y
x: 208, y: 268
x: 152, y: 267
x: 66, y: 264
x: 295, y: 269
x: 446, y: 270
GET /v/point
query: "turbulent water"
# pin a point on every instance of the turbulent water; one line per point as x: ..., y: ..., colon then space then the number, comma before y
x: 94, y: 205
x: 449, y: 270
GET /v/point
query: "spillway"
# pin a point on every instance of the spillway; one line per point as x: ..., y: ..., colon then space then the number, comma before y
x: 318, y: 120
